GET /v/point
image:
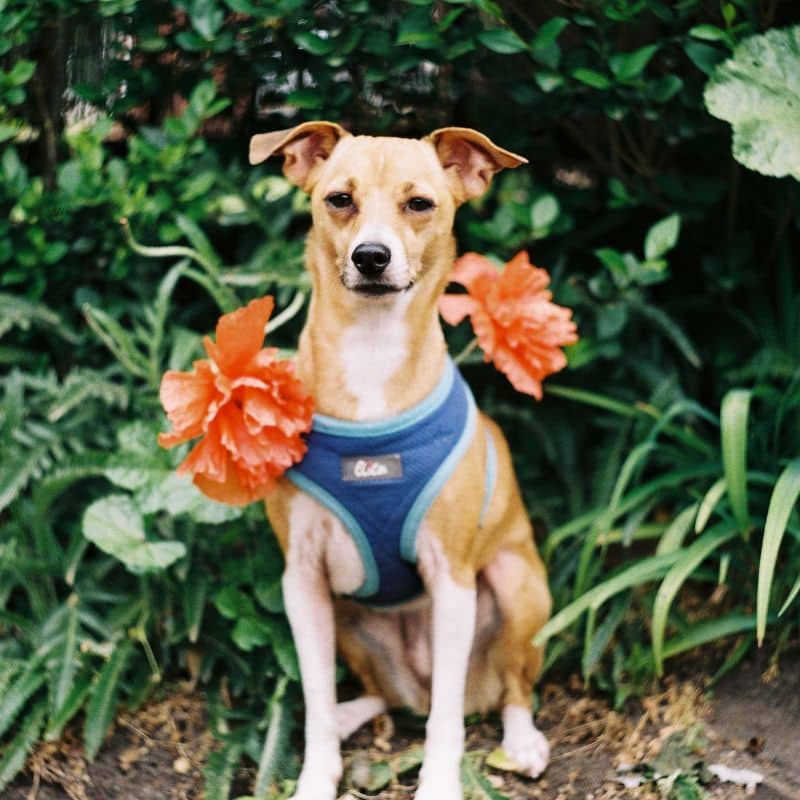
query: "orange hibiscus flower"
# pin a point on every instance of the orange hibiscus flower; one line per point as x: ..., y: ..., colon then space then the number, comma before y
x: 245, y: 403
x: 516, y: 323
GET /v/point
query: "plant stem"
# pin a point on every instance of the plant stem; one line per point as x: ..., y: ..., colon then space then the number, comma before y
x: 464, y: 354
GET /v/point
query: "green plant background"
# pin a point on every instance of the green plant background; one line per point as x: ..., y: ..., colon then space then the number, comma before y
x: 658, y: 469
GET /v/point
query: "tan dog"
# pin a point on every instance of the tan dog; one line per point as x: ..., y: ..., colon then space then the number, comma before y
x: 379, y: 255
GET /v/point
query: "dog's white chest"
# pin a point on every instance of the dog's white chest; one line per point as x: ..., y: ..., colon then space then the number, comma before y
x: 372, y: 350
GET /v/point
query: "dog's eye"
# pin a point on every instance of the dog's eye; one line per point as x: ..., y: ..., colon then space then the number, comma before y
x: 419, y: 204
x: 340, y: 200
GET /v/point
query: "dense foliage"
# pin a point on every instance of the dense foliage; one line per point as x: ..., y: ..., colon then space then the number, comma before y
x: 130, y: 221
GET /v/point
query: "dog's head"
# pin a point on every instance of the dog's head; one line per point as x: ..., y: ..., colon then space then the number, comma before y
x: 383, y: 207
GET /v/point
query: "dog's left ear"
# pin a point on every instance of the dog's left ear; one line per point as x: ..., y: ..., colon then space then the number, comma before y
x: 471, y: 159
x: 304, y: 147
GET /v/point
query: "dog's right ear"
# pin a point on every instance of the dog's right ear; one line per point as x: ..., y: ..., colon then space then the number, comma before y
x: 304, y: 148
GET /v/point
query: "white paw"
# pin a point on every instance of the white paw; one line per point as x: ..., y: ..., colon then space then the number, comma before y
x: 315, y: 789
x: 524, y: 744
x: 440, y: 785
x: 319, y: 780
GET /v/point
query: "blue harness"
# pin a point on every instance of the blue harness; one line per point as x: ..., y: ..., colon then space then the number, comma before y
x: 380, y: 478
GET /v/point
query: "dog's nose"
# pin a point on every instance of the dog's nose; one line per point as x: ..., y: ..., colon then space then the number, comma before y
x: 371, y: 258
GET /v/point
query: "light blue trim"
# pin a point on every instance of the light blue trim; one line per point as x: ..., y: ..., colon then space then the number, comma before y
x: 371, y: 579
x: 491, y: 475
x: 411, y: 526
x: 381, y: 427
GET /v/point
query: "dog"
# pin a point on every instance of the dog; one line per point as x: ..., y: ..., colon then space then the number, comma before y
x: 406, y: 540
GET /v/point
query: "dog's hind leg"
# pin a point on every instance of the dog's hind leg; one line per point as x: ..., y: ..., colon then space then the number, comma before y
x: 520, y: 588
x: 352, y: 714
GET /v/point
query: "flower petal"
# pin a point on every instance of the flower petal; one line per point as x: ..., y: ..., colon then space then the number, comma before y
x: 472, y: 266
x: 186, y: 397
x: 208, y: 457
x: 454, y: 307
x: 231, y: 490
x: 240, y: 335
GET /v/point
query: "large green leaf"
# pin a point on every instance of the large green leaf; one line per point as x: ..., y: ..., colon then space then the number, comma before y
x: 103, y: 705
x: 115, y: 525
x: 784, y: 497
x: 758, y: 92
x: 735, y: 413
x: 680, y: 571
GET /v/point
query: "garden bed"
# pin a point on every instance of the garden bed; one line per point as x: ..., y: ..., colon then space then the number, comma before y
x: 750, y: 721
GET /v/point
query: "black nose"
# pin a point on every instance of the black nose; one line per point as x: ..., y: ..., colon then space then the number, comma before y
x: 371, y: 258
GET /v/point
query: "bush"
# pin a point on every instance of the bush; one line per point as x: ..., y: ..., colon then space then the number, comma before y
x: 125, y: 198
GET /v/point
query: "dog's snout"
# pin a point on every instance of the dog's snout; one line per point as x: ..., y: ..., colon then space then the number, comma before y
x: 371, y: 258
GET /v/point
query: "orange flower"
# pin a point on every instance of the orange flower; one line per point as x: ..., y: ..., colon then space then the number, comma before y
x: 247, y: 405
x: 516, y: 323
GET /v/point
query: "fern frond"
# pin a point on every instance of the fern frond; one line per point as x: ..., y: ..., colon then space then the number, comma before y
x: 17, y: 312
x: 81, y: 385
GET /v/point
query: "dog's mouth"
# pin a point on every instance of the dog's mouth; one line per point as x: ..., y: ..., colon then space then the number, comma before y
x: 378, y: 289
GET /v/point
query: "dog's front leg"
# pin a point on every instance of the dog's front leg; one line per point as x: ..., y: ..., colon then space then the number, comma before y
x: 309, y: 607
x: 454, y: 610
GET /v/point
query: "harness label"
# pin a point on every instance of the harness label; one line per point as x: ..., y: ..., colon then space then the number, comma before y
x: 372, y: 468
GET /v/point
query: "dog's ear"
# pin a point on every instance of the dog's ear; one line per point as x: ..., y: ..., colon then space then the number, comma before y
x: 304, y: 147
x: 471, y: 159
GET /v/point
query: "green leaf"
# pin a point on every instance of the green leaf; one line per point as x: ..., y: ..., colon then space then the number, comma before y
x: 275, y: 742
x: 665, y: 88
x: 597, y: 643
x: 735, y: 411
x: 195, y: 592
x: 669, y: 328
x: 219, y: 769
x: 17, y: 750
x: 709, y: 503
x: 232, y: 603
x: 418, y: 28
x: 502, y: 40
x: 549, y: 32
x: 66, y: 673
x: 115, y: 525
x: 103, y: 704
x: 689, y: 560
x: 758, y: 92
x: 591, y: 78
x: 628, y: 66
x: 708, y: 632
x: 250, y: 632
x: 710, y: 33
x: 476, y: 784
x: 544, y: 212
x: 21, y: 72
x: 23, y: 688
x: 646, y: 570
x: 784, y: 497
x: 69, y: 708
x: 312, y: 43
x: 662, y: 237
x: 704, y: 56
x: 795, y: 590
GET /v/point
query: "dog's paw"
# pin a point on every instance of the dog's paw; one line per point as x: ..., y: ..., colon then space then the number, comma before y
x: 319, y: 780
x: 523, y: 743
x: 440, y: 785
x: 315, y: 788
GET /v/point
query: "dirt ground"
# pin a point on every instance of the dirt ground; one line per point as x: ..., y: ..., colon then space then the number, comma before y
x: 750, y: 721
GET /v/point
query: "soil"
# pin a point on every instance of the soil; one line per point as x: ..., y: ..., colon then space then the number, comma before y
x: 749, y: 721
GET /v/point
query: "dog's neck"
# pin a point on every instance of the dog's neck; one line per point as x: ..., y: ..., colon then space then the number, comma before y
x: 370, y: 358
